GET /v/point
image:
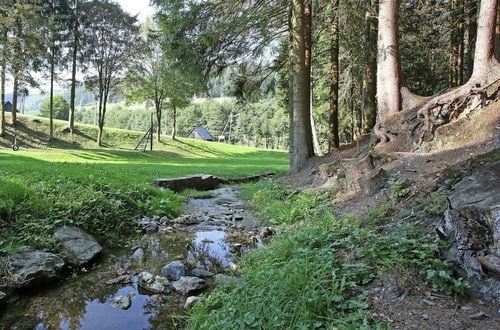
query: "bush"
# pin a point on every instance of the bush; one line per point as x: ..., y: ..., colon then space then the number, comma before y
x: 60, y: 108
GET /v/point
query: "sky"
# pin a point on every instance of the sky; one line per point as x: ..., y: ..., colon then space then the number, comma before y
x: 134, y: 7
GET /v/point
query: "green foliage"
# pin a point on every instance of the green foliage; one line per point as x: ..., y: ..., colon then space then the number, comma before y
x: 306, y: 277
x: 277, y: 205
x: 60, y: 106
x: 95, y: 203
x: 400, y: 189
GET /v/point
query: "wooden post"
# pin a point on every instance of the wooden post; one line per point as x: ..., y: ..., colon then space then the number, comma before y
x: 151, y: 133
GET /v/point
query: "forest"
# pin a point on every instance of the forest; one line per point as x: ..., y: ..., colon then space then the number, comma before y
x: 250, y: 164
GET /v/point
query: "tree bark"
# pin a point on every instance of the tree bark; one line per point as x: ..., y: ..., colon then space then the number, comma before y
x: 302, y: 136
x: 158, y: 118
x: 453, y: 44
x: 388, y: 69
x: 14, y: 98
x: 71, y: 119
x: 497, y: 35
x: 174, y: 122
x: 370, y: 76
x: 460, y: 42
x: 290, y: 85
x: 471, y: 35
x: 3, y: 68
x: 51, y: 100
x: 485, y: 64
x: 333, y: 121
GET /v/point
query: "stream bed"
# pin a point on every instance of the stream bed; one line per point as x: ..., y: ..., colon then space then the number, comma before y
x: 212, y: 234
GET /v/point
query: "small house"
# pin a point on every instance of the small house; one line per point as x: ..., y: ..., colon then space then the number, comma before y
x: 8, y: 106
x: 199, y: 133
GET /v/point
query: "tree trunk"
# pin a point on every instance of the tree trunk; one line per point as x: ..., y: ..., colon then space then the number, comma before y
x: 174, y: 122
x: 333, y: 121
x: 370, y: 77
x: 453, y: 44
x: 14, y: 98
x: 460, y: 42
x: 71, y: 119
x: 471, y: 35
x: 485, y: 64
x: 3, y: 64
x: 497, y: 35
x: 158, y: 118
x: 290, y: 85
x: 388, y: 69
x: 51, y: 109
x: 302, y: 135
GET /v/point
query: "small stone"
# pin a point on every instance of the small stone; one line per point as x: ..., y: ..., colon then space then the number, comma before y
x: 158, y: 298
x: 428, y: 302
x: 466, y: 308
x: 138, y: 255
x: 187, y: 284
x: 124, y: 279
x: 191, y: 301
x: 234, y: 267
x: 479, y: 316
x: 425, y: 316
x: 156, y: 284
x: 174, y: 270
x: 151, y: 228
x: 198, y: 272
x: 123, y: 302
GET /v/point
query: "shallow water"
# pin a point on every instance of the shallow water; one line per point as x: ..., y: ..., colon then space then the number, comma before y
x: 83, y: 301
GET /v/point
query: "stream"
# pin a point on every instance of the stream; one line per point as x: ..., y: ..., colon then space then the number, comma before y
x: 212, y: 234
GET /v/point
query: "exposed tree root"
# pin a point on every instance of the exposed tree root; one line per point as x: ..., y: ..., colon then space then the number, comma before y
x: 444, y: 108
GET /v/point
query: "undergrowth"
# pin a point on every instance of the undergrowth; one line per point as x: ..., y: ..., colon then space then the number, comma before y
x: 313, y: 275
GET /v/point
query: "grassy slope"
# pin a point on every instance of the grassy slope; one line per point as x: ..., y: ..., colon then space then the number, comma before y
x: 99, y: 189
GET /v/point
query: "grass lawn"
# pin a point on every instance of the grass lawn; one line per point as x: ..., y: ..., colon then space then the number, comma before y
x: 71, y: 181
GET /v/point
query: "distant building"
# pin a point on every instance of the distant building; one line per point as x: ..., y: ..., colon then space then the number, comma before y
x: 8, y: 107
x: 199, y: 133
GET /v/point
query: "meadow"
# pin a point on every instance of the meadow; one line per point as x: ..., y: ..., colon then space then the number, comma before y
x: 71, y: 181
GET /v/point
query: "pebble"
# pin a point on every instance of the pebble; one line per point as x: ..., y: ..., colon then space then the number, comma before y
x: 428, y: 302
x: 466, y: 308
x: 425, y: 316
x: 479, y: 316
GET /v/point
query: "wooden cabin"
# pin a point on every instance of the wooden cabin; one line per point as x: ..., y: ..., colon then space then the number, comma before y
x: 8, y: 107
x: 199, y: 133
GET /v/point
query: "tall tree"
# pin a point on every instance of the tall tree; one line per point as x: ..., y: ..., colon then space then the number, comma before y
x: 388, y: 70
x: 111, y: 37
x: 471, y: 34
x: 55, y: 13
x: 370, y: 74
x: 74, y: 25
x: 333, y: 122
x: 302, y: 134
x: 5, y: 7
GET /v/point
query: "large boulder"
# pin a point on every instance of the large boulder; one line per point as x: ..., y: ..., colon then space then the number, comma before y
x: 32, y: 267
x: 79, y: 248
x: 174, y: 270
x: 472, y: 225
